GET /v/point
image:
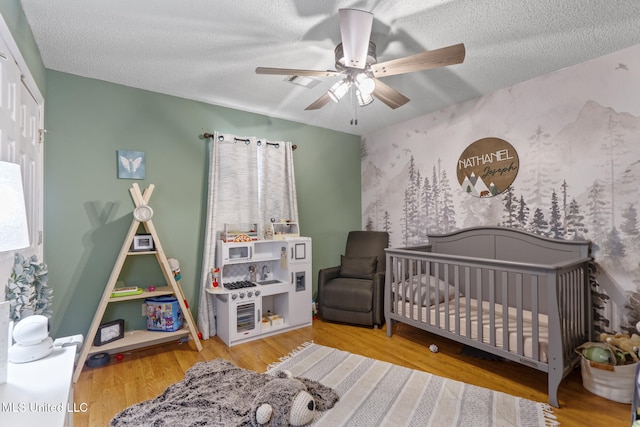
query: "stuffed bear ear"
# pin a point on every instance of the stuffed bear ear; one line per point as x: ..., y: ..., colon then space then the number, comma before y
x: 302, y: 409
x: 263, y: 413
x: 323, y: 396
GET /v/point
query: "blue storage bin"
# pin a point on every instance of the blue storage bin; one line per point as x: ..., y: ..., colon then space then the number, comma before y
x: 163, y: 314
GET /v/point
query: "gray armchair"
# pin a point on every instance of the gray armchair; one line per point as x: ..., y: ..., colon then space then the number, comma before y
x: 354, y: 291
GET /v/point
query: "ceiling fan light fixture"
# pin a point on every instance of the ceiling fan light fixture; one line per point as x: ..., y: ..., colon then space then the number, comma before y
x: 363, y: 98
x: 339, y: 89
x: 365, y: 84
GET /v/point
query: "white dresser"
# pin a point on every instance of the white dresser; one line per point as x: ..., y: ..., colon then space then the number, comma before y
x: 40, y: 393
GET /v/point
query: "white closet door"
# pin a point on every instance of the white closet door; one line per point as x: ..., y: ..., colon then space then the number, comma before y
x: 21, y: 118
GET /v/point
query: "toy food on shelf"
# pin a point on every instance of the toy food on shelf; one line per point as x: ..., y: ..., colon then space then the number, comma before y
x: 215, y: 275
x: 265, y: 324
x: 126, y: 291
x: 276, y: 320
x: 242, y: 233
x: 281, y: 230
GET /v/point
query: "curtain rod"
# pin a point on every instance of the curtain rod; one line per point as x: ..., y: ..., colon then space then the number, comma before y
x: 210, y: 135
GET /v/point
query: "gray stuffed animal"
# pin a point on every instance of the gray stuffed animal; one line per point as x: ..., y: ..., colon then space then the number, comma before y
x: 217, y: 393
x: 287, y: 401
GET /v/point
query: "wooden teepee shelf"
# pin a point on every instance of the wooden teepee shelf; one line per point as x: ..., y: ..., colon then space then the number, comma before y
x: 138, y: 338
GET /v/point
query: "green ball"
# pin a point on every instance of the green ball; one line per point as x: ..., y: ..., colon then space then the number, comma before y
x: 597, y: 354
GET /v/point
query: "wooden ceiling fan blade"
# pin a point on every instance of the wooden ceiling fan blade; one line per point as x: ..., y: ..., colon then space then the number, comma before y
x: 320, y: 102
x: 355, y: 31
x: 422, y: 61
x: 296, y: 72
x: 389, y: 95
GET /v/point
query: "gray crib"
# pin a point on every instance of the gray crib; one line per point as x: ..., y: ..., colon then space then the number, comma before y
x: 517, y: 295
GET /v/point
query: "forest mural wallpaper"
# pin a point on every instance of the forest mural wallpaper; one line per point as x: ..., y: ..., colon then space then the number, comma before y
x: 577, y: 136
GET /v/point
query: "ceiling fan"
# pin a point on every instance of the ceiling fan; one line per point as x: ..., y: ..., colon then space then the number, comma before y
x: 356, y: 61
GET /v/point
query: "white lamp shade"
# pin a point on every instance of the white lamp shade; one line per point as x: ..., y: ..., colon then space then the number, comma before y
x: 14, y: 232
x: 363, y: 98
x: 339, y: 89
x: 365, y: 83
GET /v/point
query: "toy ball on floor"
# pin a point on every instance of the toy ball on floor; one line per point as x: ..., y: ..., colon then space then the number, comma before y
x: 119, y: 356
x: 433, y: 348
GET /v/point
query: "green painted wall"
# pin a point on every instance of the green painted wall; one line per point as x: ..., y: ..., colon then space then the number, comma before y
x: 88, y: 209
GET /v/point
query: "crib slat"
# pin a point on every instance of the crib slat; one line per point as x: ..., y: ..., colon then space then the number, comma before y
x: 419, y: 274
x: 479, y: 305
x: 535, y: 320
x: 402, y: 281
x: 519, y: 311
x: 467, y: 304
x: 447, y: 307
x: 505, y: 314
x: 456, y: 298
x: 492, y: 308
x: 436, y: 274
x: 409, y: 287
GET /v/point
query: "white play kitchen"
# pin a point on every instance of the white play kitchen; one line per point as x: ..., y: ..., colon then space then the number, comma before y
x: 261, y: 287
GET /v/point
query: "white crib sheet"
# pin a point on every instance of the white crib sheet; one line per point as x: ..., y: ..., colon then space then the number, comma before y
x: 419, y: 314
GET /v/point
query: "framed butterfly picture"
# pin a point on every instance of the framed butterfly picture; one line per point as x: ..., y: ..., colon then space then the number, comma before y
x: 131, y: 165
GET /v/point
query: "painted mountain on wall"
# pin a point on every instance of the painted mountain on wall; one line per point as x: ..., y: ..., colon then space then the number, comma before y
x: 576, y: 133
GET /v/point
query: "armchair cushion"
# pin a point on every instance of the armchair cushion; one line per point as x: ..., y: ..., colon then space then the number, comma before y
x: 348, y: 294
x: 358, y: 267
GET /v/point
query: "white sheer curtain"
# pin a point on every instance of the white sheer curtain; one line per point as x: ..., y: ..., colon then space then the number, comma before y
x: 251, y: 180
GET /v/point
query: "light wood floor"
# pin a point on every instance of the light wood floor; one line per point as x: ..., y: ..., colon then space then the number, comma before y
x: 144, y: 374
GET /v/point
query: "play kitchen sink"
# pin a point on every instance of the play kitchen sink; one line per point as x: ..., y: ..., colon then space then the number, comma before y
x: 269, y: 282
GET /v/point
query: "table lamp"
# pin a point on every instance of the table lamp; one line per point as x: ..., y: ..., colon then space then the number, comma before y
x: 14, y: 235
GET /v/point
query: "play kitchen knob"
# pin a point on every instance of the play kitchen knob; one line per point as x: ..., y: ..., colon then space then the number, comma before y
x: 249, y: 294
x: 234, y: 296
x: 241, y: 295
x: 258, y: 293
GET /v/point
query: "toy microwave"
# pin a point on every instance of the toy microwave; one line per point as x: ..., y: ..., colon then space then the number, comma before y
x: 236, y: 251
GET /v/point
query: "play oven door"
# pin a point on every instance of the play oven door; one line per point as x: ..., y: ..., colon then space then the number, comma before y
x: 245, y: 318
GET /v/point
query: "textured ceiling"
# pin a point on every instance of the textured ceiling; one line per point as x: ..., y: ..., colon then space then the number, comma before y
x: 208, y: 50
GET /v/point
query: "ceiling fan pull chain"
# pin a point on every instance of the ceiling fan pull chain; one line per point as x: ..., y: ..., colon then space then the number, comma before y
x: 354, y: 120
x: 351, y: 99
x: 355, y: 108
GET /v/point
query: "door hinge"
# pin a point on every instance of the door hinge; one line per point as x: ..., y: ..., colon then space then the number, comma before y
x: 42, y: 132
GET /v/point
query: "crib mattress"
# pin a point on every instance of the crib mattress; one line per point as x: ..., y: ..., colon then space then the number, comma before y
x: 439, y: 313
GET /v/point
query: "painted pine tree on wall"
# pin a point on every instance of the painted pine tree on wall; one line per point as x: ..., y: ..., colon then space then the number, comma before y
x: 427, y: 207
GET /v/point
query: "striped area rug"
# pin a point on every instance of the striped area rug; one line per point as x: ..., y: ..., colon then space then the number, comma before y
x: 376, y: 393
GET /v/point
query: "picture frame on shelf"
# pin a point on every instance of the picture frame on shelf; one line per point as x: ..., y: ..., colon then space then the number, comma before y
x: 142, y: 242
x: 109, y: 332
